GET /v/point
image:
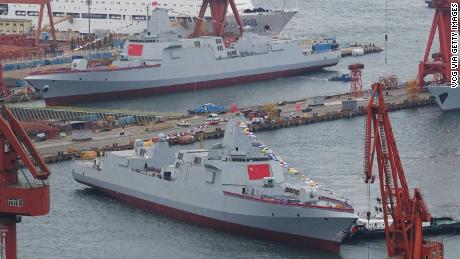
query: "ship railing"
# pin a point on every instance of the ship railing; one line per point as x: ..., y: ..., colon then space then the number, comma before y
x: 337, y: 203
x: 38, y: 60
x: 94, y: 163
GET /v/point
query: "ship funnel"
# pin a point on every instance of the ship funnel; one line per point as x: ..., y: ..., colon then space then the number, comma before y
x: 235, y: 138
x: 160, y: 25
x: 161, y: 154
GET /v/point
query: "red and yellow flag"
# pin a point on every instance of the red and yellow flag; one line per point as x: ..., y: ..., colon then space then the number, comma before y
x: 257, y: 172
x: 135, y: 50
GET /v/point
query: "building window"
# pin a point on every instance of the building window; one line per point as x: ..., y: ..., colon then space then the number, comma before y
x: 58, y: 14
x: 32, y: 13
x: 94, y: 15
x: 138, y: 17
x: 21, y: 13
x: 115, y: 16
x: 73, y: 15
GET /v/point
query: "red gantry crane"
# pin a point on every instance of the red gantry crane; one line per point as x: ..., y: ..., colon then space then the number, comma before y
x: 42, y: 4
x: 19, y: 195
x: 404, y: 236
x: 439, y: 65
x: 218, y: 14
x: 356, y: 85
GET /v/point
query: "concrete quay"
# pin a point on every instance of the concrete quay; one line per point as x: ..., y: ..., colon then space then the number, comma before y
x: 55, y: 150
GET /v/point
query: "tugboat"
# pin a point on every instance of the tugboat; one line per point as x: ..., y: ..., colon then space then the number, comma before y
x: 235, y: 187
x: 342, y: 77
x: 374, y: 226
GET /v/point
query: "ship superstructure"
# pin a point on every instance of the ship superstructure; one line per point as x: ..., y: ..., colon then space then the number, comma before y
x: 159, y: 61
x: 131, y: 17
x: 236, y: 186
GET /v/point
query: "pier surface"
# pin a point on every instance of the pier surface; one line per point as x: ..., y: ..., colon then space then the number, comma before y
x: 122, y: 137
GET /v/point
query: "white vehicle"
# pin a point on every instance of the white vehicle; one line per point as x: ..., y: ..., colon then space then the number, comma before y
x: 257, y: 120
x: 213, y: 117
x: 183, y: 123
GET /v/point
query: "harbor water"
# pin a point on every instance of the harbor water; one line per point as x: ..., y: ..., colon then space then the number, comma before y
x: 408, y: 24
x: 84, y: 223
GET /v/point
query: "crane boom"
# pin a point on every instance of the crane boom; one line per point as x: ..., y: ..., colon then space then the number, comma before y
x: 440, y: 64
x: 218, y: 14
x: 42, y: 4
x: 20, y: 195
x: 404, y: 236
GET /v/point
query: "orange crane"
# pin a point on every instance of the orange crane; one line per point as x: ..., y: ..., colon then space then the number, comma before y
x: 440, y: 64
x: 218, y: 14
x: 42, y: 4
x: 19, y: 195
x: 356, y: 87
x: 404, y: 236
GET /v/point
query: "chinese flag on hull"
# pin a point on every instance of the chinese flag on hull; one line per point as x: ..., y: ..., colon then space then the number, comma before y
x: 257, y: 172
x: 135, y: 50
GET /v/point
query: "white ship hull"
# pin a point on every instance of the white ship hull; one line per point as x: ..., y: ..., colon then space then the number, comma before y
x: 447, y: 98
x: 130, y: 18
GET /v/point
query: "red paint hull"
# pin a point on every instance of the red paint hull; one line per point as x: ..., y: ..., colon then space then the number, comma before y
x: 62, y: 100
x: 300, y: 241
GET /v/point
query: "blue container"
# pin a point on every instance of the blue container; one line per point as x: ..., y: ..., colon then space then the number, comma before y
x: 20, y: 83
x: 118, y: 44
x: 29, y: 64
x: 9, y: 67
x: 209, y: 108
x: 90, y: 117
x: 322, y: 47
x: 44, y: 36
x: 21, y: 65
x: 39, y: 63
x: 126, y: 120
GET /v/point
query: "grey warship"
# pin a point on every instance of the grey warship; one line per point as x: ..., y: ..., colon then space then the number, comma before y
x: 235, y: 186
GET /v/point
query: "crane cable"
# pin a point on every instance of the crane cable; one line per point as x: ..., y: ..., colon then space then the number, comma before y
x: 386, y: 32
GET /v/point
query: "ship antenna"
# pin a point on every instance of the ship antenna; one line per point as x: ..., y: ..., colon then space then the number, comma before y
x: 148, y: 20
